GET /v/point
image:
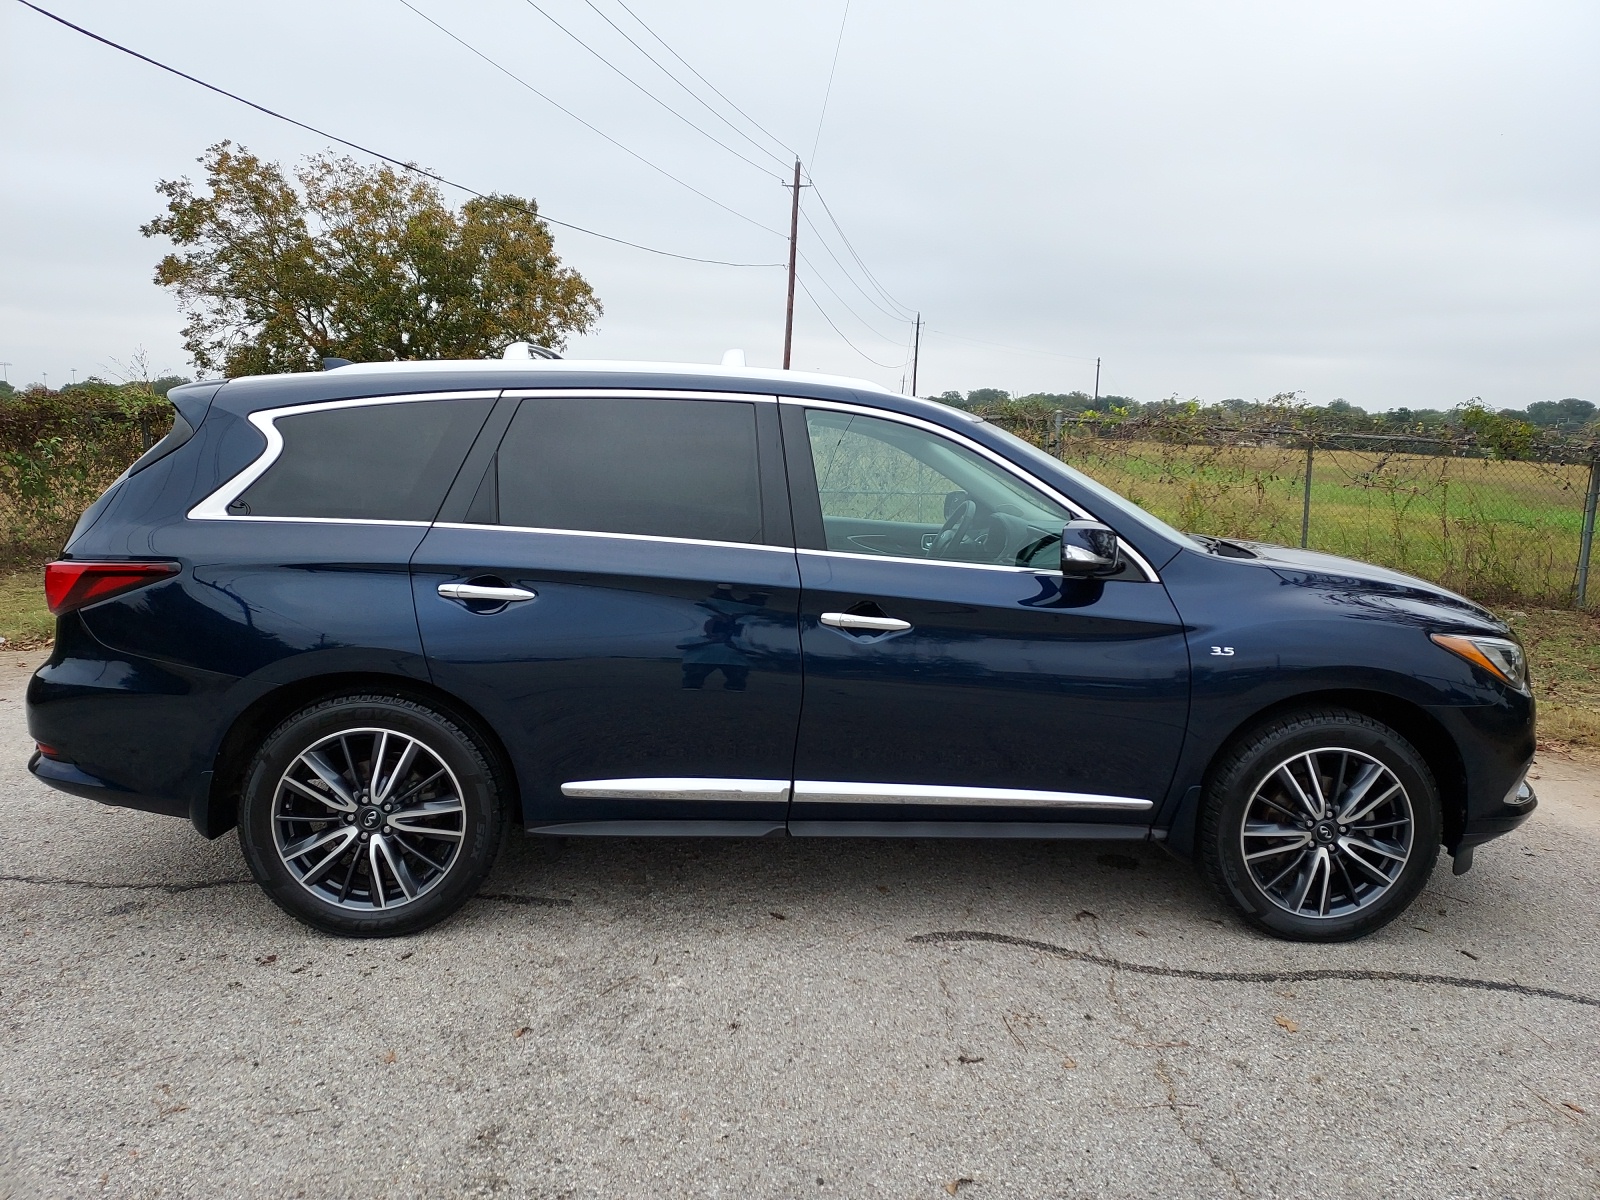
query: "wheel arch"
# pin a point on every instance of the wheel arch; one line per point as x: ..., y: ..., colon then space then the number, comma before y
x: 1411, y: 721
x: 216, y: 809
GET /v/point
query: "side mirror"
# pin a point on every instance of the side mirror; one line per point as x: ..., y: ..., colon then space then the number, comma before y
x: 1089, y: 550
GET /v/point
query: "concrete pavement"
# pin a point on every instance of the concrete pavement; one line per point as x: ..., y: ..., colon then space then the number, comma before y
x: 786, y: 1018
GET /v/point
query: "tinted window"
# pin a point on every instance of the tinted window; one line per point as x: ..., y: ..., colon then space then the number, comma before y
x: 384, y: 462
x: 673, y: 468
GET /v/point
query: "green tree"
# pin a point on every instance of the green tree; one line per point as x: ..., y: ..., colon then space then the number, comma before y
x: 364, y: 263
x: 1570, y: 413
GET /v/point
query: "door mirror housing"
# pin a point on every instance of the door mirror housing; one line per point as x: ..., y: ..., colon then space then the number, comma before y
x: 1089, y: 550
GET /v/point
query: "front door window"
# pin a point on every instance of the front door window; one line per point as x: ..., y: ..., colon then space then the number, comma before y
x: 891, y: 489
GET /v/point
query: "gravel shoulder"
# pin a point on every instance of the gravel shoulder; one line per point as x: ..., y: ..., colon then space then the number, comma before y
x: 787, y: 1018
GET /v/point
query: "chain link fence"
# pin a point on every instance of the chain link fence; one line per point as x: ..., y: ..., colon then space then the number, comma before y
x: 1449, y: 508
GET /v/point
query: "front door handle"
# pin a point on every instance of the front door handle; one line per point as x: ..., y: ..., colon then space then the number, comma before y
x: 478, y: 591
x: 865, y: 624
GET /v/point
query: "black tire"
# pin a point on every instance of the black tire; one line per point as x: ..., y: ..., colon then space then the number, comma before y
x: 1262, y: 793
x: 443, y: 852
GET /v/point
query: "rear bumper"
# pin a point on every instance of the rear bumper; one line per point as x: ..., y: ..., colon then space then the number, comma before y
x: 69, y: 778
x: 128, y: 731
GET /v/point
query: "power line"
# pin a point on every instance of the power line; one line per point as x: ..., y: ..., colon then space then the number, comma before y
x: 512, y: 75
x: 692, y: 94
x: 359, y: 148
x: 823, y: 115
x: 841, y: 333
x: 871, y: 299
x: 630, y: 79
x: 781, y: 143
x: 850, y: 246
x: 822, y: 279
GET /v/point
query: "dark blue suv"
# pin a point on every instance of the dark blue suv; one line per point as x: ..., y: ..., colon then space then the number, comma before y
x: 374, y: 615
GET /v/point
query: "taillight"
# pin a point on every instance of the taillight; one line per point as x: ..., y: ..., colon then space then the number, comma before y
x: 70, y: 585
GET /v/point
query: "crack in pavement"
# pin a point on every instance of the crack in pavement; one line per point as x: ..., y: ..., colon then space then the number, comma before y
x: 174, y: 889
x: 95, y: 885
x: 530, y: 901
x: 1163, y: 1071
x: 946, y: 937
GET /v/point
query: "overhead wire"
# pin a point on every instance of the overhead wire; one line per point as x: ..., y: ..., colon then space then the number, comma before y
x: 823, y: 115
x: 823, y: 280
x: 848, y: 274
x: 840, y: 332
x: 757, y: 124
x: 850, y: 246
x: 533, y: 210
x: 692, y: 94
x: 377, y: 154
x: 512, y: 75
x: 640, y: 87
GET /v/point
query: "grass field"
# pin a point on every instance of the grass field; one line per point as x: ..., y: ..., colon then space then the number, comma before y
x: 1494, y: 530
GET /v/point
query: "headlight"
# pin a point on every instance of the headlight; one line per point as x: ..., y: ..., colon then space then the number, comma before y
x: 1501, y: 657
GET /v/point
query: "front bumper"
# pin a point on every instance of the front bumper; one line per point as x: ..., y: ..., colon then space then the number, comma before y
x: 1483, y: 826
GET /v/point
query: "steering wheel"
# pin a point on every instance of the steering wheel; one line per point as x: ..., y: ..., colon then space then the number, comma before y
x: 954, y: 530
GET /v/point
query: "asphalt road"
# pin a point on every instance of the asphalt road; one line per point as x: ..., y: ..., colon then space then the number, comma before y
x: 786, y: 1018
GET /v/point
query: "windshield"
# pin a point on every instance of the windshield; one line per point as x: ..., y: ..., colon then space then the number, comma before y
x: 1102, y: 499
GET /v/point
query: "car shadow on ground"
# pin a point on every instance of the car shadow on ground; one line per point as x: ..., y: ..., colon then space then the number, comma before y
x: 852, y: 879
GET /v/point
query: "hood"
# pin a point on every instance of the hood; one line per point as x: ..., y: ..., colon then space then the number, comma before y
x: 1380, y: 588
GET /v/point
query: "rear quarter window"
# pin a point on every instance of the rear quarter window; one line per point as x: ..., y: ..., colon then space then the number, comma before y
x: 388, y: 461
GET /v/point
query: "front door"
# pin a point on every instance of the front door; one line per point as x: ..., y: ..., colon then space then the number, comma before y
x: 955, y: 681
x: 619, y: 599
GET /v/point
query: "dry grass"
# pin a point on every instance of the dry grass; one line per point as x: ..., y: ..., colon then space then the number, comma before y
x: 1564, y: 656
x: 24, y: 619
x: 1492, y: 530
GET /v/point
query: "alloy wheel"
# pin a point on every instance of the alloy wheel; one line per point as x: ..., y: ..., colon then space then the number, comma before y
x: 1327, y: 832
x: 368, y: 819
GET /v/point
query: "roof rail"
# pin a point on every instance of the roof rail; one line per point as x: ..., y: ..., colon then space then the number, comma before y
x: 521, y: 350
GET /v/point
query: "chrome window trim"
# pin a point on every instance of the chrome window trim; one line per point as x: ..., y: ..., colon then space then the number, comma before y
x: 626, y: 537
x: 726, y: 791
x: 814, y: 791
x: 215, y: 506
x: 999, y: 460
x: 626, y: 393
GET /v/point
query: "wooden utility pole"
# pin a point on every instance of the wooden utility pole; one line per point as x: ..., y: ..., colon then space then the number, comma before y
x: 916, y: 353
x: 794, y: 246
x: 1097, y: 383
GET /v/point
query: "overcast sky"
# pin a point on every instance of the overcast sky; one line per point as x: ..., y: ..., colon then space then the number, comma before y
x: 1395, y: 203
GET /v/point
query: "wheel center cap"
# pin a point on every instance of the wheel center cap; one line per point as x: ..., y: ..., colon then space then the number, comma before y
x: 370, y: 818
x: 1326, y: 832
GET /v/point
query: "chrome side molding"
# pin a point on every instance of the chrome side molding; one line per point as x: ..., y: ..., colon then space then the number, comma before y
x: 812, y: 791
x: 729, y: 791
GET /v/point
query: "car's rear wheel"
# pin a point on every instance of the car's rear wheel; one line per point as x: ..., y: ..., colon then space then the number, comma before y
x: 371, y: 816
x: 1321, y: 825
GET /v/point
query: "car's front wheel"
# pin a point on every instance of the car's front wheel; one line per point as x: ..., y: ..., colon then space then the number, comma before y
x: 371, y: 815
x: 1321, y: 825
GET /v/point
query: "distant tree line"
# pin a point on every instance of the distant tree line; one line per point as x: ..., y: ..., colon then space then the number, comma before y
x: 1570, y: 415
x: 95, y: 388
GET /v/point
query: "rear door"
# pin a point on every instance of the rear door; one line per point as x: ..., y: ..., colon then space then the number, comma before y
x: 955, y: 681
x: 614, y: 585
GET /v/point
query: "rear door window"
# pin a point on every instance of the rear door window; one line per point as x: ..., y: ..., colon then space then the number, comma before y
x: 384, y: 461
x: 666, y: 468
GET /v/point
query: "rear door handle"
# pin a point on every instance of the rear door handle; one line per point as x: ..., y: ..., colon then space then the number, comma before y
x: 477, y: 591
x: 865, y: 624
